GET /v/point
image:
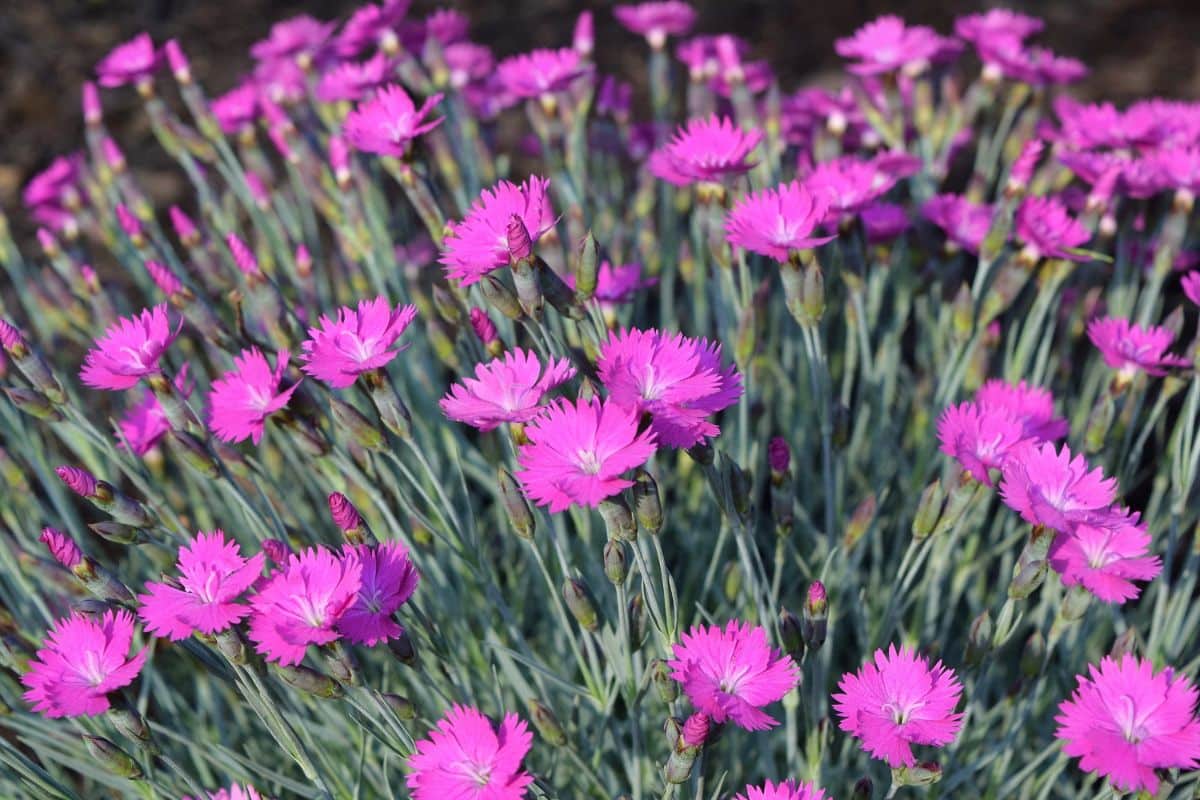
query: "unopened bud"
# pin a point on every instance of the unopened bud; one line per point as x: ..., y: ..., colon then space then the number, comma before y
x: 929, y: 509
x: 647, y: 502
x: 664, y: 684
x: 618, y: 518
x: 344, y: 514
x: 117, y: 533
x: 401, y: 706
x: 364, y: 432
x: 546, y: 723
x: 924, y: 774
x: 309, y: 681
x: 403, y: 649
x: 112, y: 758
x: 130, y: 723
x: 616, y: 562
x: 393, y: 412
x: 520, y: 516
x: 500, y: 297
x: 791, y: 633
x: 638, y: 621
x: 859, y: 522
x: 956, y: 504
x: 816, y: 616
x: 520, y: 246
x: 33, y: 403
x: 579, y: 602
x: 232, y: 646
x: 589, y: 268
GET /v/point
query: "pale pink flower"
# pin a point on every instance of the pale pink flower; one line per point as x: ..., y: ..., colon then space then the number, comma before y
x: 144, y: 425
x: 732, y: 674
x: 387, y: 122
x: 1048, y: 231
x: 1105, y: 556
x: 511, y: 388
x: 129, y: 350
x: 657, y: 20
x: 1032, y: 406
x: 241, y: 400
x: 578, y: 451
x: 887, y: 44
x: 705, y: 150
x: 1125, y: 721
x: 964, y: 223
x: 897, y: 701
x: 213, y: 574
x: 677, y: 380
x: 540, y: 72
x: 131, y: 62
x: 979, y: 437
x: 388, y: 581
x: 784, y: 790
x: 357, y: 341
x: 467, y: 757
x: 82, y: 661
x: 1129, y: 348
x: 301, y: 602
x: 479, y: 244
x: 1053, y: 488
x: 778, y: 222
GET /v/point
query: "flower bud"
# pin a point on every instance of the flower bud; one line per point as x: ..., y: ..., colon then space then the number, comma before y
x: 79, y: 481
x: 779, y: 456
x: 923, y: 774
x: 957, y: 502
x: 695, y: 731
x: 701, y: 452
x: 185, y: 229
x: 860, y: 521
x: 345, y: 516
x: 520, y: 516
x: 341, y: 663
x: 500, y: 297
x: 232, y: 646
x: 33, y: 403
x: 589, y: 268
x: 731, y: 584
x: 647, y: 502
x: 791, y: 633
x: 117, y: 533
x: 687, y: 747
x: 113, y: 758
x: 638, y: 622
x: 520, y: 246
x: 362, y: 430
x: 403, y: 649
x: 178, y: 62
x: 618, y: 518
x: 546, y: 723
x: 739, y: 486
x: 401, y: 706
x: 62, y: 547
x: 309, y: 681
x: 393, y: 412
x: 1075, y: 604
x: 929, y: 509
x: 130, y: 224
x: 664, y: 684
x: 131, y: 724
x: 616, y: 562
x: 579, y: 602
x: 584, y: 38
x: 816, y: 615
x: 93, y: 111
x: 556, y: 290
x: 192, y: 452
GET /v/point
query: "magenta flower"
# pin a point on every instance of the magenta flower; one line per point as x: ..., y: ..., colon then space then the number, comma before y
x: 849, y: 184
x: 677, y: 380
x: 898, y: 701
x: 657, y: 20
x: 479, y: 244
x: 578, y: 451
x: 1106, y: 556
x: 541, y: 72
x: 388, y: 580
x: 996, y: 22
x: 777, y: 222
x: 883, y: 222
x: 467, y: 757
x: 1053, y: 488
x: 352, y: 80
x: 243, y: 398
x: 237, y: 108
x: 1007, y: 56
x: 301, y: 603
x: 468, y: 63
x: 979, y: 437
x: 1127, y: 347
x: 784, y: 790
x: 234, y: 792
x: 964, y: 223
x: 145, y: 424
x: 617, y: 285
x: 82, y: 661
x: 129, y: 350
x: 1048, y: 231
x: 1124, y: 721
x: 338, y: 351
x: 131, y: 62
x: 371, y: 26
x: 887, y: 44
x: 213, y: 575
x: 387, y: 122
x: 1032, y: 406
x: 52, y: 186
x: 298, y: 36
x: 62, y: 547
x: 732, y: 674
x: 507, y: 389
x: 705, y: 150
x: 1191, y: 286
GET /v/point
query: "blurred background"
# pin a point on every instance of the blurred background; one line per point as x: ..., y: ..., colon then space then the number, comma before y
x: 48, y: 47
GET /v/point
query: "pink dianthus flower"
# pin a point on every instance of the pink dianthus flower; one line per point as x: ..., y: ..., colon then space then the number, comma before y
x: 466, y: 757
x: 352, y: 80
x: 387, y: 122
x: 82, y: 661
x: 578, y: 451
x: 849, y: 184
x: 705, y: 150
x: 778, y: 222
x: 540, y: 72
x: 1105, y: 556
x: 979, y: 438
x: 1124, y: 721
x: 507, y: 389
x: 234, y: 792
x: 131, y: 62
x: 301, y: 35
x: 887, y: 44
x: 388, y: 581
x: 1032, y: 406
x: 657, y: 20
x: 359, y: 340
x: 1127, y: 347
x: 964, y: 223
x: 1048, y: 231
x: 897, y: 701
x: 1053, y: 488
x: 479, y: 244
x: 732, y: 674
x: 129, y: 350
x: 784, y: 790
x: 145, y: 424
x: 241, y: 400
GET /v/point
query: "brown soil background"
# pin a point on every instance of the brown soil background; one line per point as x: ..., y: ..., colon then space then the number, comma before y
x: 48, y: 47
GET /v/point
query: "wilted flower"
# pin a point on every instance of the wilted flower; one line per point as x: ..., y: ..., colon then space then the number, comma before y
x: 213, y: 574
x: 731, y: 674
x: 777, y: 222
x: 678, y: 381
x: 301, y: 603
x: 897, y: 701
x: 1129, y: 348
x: 465, y: 756
x: 388, y: 580
x: 657, y: 20
x: 1032, y: 406
x: 540, y: 72
x: 1125, y: 721
x: 965, y: 223
x: 131, y: 62
x: 82, y: 661
x: 358, y: 340
x: 129, y: 350
x: 705, y: 150
x: 578, y: 451
x: 1105, y: 556
x: 241, y: 400
x: 979, y: 437
x: 479, y: 244
x: 387, y: 122
x: 1053, y: 488
x: 507, y: 389
x: 784, y: 790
